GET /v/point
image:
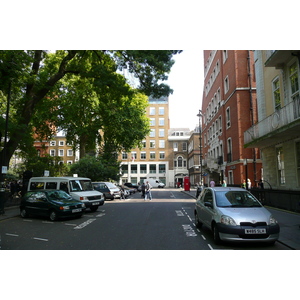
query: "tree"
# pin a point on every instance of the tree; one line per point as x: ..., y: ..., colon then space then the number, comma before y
x: 32, y: 78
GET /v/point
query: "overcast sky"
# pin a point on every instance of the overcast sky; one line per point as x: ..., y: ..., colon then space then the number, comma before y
x: 186, y: 79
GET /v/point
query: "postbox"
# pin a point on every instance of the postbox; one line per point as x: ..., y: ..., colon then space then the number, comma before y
x: 186, y: 183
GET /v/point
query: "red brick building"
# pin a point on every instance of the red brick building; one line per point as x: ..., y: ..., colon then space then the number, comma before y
x: 229, y: 109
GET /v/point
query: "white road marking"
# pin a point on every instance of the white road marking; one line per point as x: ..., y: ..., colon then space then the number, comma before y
x: 82, y: 225
x: 211, y: 248
x: 47, y: 222
x: 203, y: 237
x: 40, y: 239
x: 100, y: 215
x: 69, y: 224
x: 27, y: 220
x: 179, y: 213
x: 11, y: 234
x: 172, y: 195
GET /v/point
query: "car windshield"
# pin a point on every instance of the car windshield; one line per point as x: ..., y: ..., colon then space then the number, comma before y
x: 58, y: 195
x: 111, y: 185
x: 81, y: 185
x: 236, y: 199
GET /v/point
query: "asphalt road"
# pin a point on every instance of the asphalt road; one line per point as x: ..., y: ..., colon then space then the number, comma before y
x: 165, y: 223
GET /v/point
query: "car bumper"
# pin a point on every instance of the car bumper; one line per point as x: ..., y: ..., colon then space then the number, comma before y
x: 89, y: 204
x: 237, y: 233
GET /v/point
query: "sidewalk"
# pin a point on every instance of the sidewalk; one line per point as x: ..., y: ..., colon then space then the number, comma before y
x: 289, y: 224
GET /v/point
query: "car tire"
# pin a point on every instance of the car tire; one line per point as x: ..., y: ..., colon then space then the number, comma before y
x: 216, y: 234
x: 197, y: 222
x: 53, y: 215
x: 23, y: 213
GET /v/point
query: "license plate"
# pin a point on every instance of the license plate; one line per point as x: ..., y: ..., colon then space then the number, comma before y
x: 76, y: 210
x: 255, y: 231
x: 96, y: 203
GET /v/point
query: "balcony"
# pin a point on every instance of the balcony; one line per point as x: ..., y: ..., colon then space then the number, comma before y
x: 281, y: 125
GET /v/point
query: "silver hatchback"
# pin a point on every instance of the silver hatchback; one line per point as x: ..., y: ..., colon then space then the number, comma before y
x: 234, y: 214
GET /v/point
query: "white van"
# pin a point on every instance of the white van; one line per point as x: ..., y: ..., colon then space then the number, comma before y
x: 79, y: 188
x: 155, y: 182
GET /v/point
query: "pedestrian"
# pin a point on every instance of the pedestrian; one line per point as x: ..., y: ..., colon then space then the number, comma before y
x: 122, y: 190
x: 248, y: 184
x: 244, y: 184
x: 148, y: 191
x: 143, y: 190
x: 224, y: 184
x: 212, y: 183
x: 261, y: 184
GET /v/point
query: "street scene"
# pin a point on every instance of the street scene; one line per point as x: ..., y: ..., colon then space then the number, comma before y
x: 164, y: 223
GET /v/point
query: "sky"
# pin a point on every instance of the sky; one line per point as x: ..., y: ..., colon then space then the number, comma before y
x: 186, y: 79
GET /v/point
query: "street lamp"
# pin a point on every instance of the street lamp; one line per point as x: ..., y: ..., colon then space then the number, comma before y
x: 199, y: 115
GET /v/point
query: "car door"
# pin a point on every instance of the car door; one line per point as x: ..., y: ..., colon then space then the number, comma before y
x: 37, y: 204
x: 207, y: 206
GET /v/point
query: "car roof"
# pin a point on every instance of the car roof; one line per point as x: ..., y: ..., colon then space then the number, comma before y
x: 224, y: 189
x: 56, y: 178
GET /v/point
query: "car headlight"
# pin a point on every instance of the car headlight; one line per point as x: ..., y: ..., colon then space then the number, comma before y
x: 272, y: 220
x: 227, y: 220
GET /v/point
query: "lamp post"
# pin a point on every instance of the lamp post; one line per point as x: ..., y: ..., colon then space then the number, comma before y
x: 199, y: 115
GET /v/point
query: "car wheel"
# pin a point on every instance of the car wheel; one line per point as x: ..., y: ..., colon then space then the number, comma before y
x: 197, y: 222
x: 216, y: 235
x: 23, y: 213
x: 53, y: 215
x: 94, y: 208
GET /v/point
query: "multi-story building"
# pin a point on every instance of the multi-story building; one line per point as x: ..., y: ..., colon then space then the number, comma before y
x: 194, y: 165
x: 277, y: 132
x: 178, y: 139
x: 229, y: 108
x: 152, y: 161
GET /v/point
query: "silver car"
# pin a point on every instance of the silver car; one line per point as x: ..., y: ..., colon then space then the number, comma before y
x: 234, y: 214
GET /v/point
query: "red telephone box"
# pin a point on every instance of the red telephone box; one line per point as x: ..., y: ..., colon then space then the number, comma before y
x: 186, y: 183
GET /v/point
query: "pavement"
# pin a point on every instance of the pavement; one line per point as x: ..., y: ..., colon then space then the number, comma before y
x: 289, y: 222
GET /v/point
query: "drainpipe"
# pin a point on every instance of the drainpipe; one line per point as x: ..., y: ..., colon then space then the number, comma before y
x: 252, y: 115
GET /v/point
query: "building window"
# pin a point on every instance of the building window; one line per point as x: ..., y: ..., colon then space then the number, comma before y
x: 143, y: 155
x: 133, y: 169
x: 280, y: 165
x: 52, y: 152
x: 225, y: 55
x: 179, y: 162
x: 61, y: 152
x: 152, y: 122
x: 175, y: 146
x: 228, y: 117
x: 152, y: 168
x: 184, y: 146
x: 124, y: 155
x: 124, y: 169
x: 294, y: 81
x: 152, y: 143
x: 276, y: 93
x: 143, y: 169
x: 161, y: 143
x: 144, y: 144
x: 161, y: 111
x: 161, y: 132
x: 226, y: 84
x: 133, y: 156
x: 152, y: 111
x: 152, y: 133
x: 152, y: 155
x: 162, y: 168
x: 229, y: 150
x: 162, y: 155
x: 52, y: 143
x: 61, y: 143
x: 69, y: 152
x: 161, y: 121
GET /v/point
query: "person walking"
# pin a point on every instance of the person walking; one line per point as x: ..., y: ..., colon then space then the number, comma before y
x: 212, y: 183
x: 143, y: 190
x: 148, y: 191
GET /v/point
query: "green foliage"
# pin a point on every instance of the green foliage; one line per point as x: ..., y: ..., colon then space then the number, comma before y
x: 81, y: 92
x: 39, y: 164
x: 96, y: 168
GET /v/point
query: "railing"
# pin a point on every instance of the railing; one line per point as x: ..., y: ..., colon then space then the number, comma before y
x: 278, y: 119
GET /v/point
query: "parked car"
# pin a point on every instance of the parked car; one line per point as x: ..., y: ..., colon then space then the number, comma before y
x: 50, y: 203
x: 134, y: 186
x: 130, y: 190
x: 234, y: 214
x: 109, y: 190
